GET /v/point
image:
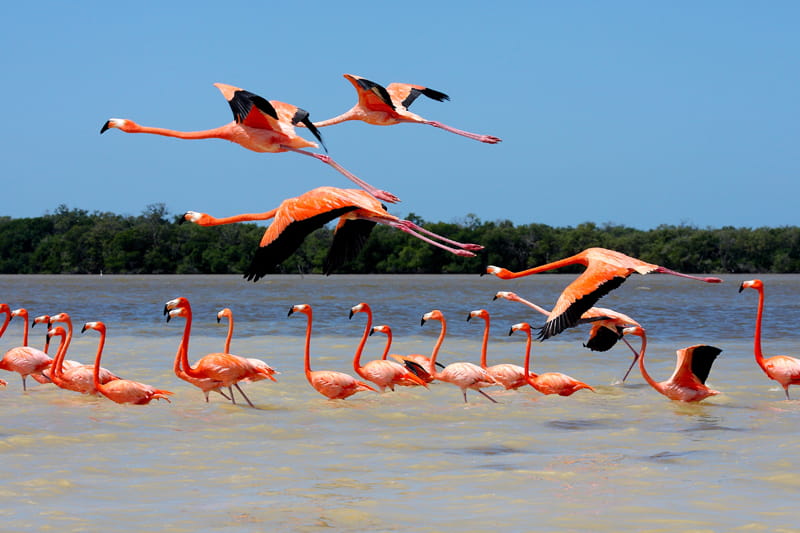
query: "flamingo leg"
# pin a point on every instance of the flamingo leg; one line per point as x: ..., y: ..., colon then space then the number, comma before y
x: 377, y: 193
x: 476, y: 136
x: 487, y: 396
x: 416, y: 231
x: 243, y: 394
x: 635, y: 358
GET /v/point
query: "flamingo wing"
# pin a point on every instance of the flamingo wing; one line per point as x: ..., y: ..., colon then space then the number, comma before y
x: 349, y: 239
x: 371, y: 95
x: 405, y: 94
x: 602, y: 338
x: 702, y: 357
x: 248, y: 108
x: 294, y: 115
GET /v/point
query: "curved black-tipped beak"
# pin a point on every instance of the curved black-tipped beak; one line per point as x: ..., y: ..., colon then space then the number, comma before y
x: 422, y: 322
x: 219, y: 320
x: 105, y: 127
x: 291, y: 310
x: 83, y: 329
x: 511, y: 331
x: 166, y: 311
x: 741, y: 287
x: 469, y: 317
x: 351, y: 313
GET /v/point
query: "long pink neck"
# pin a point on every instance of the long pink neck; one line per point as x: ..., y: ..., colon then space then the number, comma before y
x: 6, y: 320
x: 55, y: 376
x: 575, y: 259
x: 230, y: 334
x: 307, y: 356
x: 183, y: 348
x: 25, y: 329
x: 214, y: 133
x: 532, y: 306
x: 527, y: 365
x: 349, y: 115
x: 100, y: 344
x: 435, y: 351
x: 757, y: 337
x: 485, y: 342
x: 362, y: 343
x: 57, y: 367
x: 653, y: 383
x: 388, y: 344
x: 208, y: 220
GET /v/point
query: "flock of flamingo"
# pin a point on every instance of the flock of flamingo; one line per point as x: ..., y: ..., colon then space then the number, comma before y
x: 269, y: 126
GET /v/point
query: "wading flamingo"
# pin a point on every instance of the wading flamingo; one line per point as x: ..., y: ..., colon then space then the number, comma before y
x: 227, y: 313
x: 688, y: 381
x: 605, y: 271
x: 295, y: 218
x: 259, y: 125
x: 381, y: 372
x: 508, y: 375
x: 219, y: 369
x: 121, y: 390
x: 76, y: 377
x: 782, y: 368
x: 386, y: 106
x: 549, y: 382
x: 331, y: 384
x: 607, y: 326
x: 44, y: 377
x: 26, y: 360
x: 462, y: 375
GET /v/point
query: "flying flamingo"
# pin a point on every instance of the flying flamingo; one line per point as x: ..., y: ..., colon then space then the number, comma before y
x: 295, y: 218
x: 259, y: 125
x: 121, y: 390
x: 510, y: 376
x: 227, y: 313
x: 214, y: 370
x: 782, y: 368
x: 386, y: 106
x: 76, y: 377
x: 25, y: 360
x: 607, y: 326
x: 331, y: 384
x: 381, y: 372
x: 549, y: 382
x: 462, y: 375
x: 688, y: 381
x: 605, y: 271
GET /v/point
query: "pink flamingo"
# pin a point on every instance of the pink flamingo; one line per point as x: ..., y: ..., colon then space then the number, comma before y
x: 44, y: 377
x: 78, y: 377
x: 607, y: 325
x: 549, y: 382
x: 510, y: 376
x: 331, y: 384
x: 259, y: 125
x: 381, y: 372
x: 386, y: 106
x: 688, y: 381
x: 782, y: 368
x: 462, y: 375
x: 214, y: 370
x: 605, y: 271
x: 121, y: 390
x: 268, y: 370
x: 386, y: 330
x: 25, y: 360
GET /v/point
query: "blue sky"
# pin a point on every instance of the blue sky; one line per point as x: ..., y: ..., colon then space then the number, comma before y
x: 634, y: 113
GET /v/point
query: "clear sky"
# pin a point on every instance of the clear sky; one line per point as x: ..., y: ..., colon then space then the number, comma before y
x: 633, y: 113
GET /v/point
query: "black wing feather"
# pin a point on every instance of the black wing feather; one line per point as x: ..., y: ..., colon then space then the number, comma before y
x: 702, y: 359
x: 348, y: 241
x: 604, y: 339
x: 378, y: 89
x: 573, y: 313
x: 430, y: 93
x: 243, y: 101
x: 270, y: 256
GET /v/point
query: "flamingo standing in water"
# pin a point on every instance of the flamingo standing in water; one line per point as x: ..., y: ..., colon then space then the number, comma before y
x: 510, y: 376
x: 688, y: 381
x: 386, y: 106
x: 782, y: 368
x: 295, y: 218
x: 607, y: 326
x: 549, y: 382
x: 75, y: 377
x: 462, y: 375
x: 381, y: 372
x: 227, y: 313
x: 259, y: 125
x: 26, y: 360
x: 214, y: 370
x: 331, y: 384
x: 121, y: 390
x: 605, y: 271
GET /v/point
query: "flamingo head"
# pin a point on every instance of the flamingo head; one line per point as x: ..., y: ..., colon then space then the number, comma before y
x: 634, y: 330
x: 97, y: 326
x: 478, y: 313
x: 383, y: 328
x: 751, y: 284
x: 224, y: 313
x: 360, y: 308
x: 19, y: 312
x: 522, y: 326
x: 57, y: 331
x: 42, y: 319
x: 433, y: 315
x: 119, y: 123
x: 300, y: 308
x: 506, y: 295
x: 179, y: 302
x: 61, y: 317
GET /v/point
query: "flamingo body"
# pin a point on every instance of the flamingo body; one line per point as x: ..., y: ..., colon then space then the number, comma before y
x: 25, y: 360
x: 508, y: 375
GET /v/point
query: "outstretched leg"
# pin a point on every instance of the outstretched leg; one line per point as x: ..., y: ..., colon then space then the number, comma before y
x: 490, y: 139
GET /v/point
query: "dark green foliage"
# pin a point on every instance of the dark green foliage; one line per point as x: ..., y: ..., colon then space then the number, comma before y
x: 76, y: 241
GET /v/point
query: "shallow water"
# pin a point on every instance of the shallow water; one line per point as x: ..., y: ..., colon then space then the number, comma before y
x: 621, y: 458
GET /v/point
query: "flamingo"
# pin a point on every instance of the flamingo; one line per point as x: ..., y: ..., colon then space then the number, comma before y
x: 381, y: 372
x: 386, y: 106
x: 121, y: 390
x: 605, y: 271
x: 331, y: 384
x: 214, y: 370
x: 76, y: 377
x: 25, y: 360
x: 510, y: 376
x: 295, y: 218
x: 607, y: 326
x: 688, y: 381
x: 462, y: 375
x: 44, y: 377
x: 549, y: 382
x: 259, y: 125
x: 782, y: 368
x: 227, y: 313
x: 386, y: 330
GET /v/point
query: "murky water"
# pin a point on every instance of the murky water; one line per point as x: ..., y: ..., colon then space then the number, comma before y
x: 622, y: 458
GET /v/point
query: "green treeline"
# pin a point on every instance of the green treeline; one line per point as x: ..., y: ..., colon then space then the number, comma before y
x: 74, y: 241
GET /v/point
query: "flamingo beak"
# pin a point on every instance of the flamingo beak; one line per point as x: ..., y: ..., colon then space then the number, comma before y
x: 105, y: 127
